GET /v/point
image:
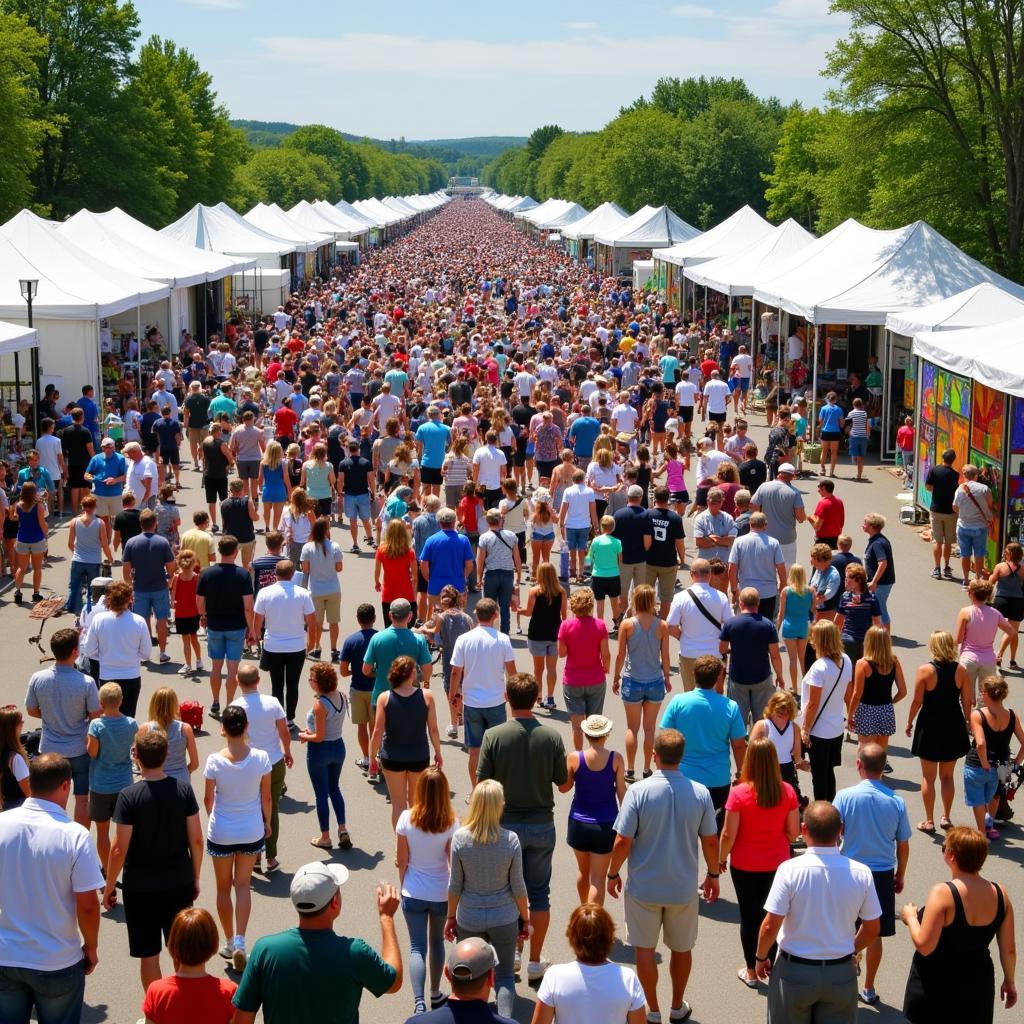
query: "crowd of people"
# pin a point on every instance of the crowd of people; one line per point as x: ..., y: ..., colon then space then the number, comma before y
x: 504, y: 433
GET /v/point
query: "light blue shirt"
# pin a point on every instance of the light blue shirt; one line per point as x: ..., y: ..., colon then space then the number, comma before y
x: 710, y: 722
x: 434, y: 438
x: 874, y: 821
x: 111, y: 771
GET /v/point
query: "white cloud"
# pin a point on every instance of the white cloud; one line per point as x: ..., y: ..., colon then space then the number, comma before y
x: 217, y: 5
x: 806, y: 10
x: 581, y: 26
x: 692, y: 11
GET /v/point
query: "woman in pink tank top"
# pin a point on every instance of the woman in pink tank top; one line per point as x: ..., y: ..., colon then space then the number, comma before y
x: 976, y: 628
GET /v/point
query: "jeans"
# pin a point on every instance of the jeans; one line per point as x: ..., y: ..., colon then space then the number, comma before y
x: 285, y: 668
x: 503, y: 939
x: 56, y: 995
x: 882, y: 592
x: 323, y: 762
x: 277, y: 774
x: 425, y: 921
x: 82, y: 573
x: 498, y: 585
x: 752, y: 888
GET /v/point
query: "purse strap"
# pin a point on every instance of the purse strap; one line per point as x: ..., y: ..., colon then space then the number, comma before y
x: 821, y: 708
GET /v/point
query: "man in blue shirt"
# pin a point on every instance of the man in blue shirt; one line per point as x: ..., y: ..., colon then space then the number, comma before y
x: 876, y: 832
x: 447, y: 557
x: 92, y: 412
x: 669, y: 364
x: 753, y: 646
x: 582, y: 435
x: 431, y: 444
x: 107, y: 472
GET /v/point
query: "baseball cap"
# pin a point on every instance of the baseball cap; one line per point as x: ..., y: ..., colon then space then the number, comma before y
x: 787, y: 467
x: 314, y: 885
x: 471, y: 959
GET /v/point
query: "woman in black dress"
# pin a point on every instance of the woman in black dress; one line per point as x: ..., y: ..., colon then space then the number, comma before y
x: 952, y: 977
x: 942, y: 694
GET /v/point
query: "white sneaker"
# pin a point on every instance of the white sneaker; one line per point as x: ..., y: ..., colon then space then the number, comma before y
x: 185, y: 670
x: 453, y: 732
x: 535, y: 969
x: 226, y: 951
x: 517, y: 963
x: 164, y: 657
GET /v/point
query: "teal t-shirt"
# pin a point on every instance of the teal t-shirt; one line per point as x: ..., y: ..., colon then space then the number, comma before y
x: 311, y: 977
x: 223, y: 404
x: 112, y: 770
x: 604, y: 553
x: 387, y: 645
x: 669, y: 365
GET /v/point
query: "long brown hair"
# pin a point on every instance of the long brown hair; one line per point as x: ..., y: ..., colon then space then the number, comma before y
x: 547, y: 580
x: 761, y: 772
x: 432, y: 809
x: 396, y: 539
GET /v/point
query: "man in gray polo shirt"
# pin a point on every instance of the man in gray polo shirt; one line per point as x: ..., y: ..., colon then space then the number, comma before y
x: 660, y: 823
x: 755, y: 560
x: 783, y: 506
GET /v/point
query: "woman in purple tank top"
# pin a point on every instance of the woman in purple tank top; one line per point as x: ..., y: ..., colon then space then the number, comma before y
x: 597, y: 779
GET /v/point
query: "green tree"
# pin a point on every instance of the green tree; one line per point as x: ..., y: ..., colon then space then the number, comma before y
x: 343, y: 156
x: 690, y: 97
x: 285, y: 176
x: 80, y: 71
x: 540, y: 139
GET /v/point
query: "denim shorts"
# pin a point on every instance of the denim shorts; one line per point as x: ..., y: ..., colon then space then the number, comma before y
x: 858, y: 447
x: 542, y: 648
x: 577, y: 538
x: 225, y: 644
x: 80, y: 774
x: 583, y: 701
x: 635, y: 692
x: 476, y: 721
x: 356, y: 506
x: 979, y: 785
x: 882, y: 592
x: 973, y: 541
x: 152, y: 602
x: 537, y: 841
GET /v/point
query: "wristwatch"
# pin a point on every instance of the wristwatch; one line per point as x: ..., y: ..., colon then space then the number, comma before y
x: 613, y: 877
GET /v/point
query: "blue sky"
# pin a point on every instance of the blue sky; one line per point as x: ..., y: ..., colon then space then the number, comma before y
x: 431, y: 70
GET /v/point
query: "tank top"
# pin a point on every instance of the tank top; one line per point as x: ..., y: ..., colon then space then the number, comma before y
x: 29, y: 530
x: 643, y: 653
x: 997, y: 742
x: 798, y: 611
x: 176, y: 763
x: 87, y: 542
x: 546, y: 618
x: 593, y: 794
x: 515, y: 517
x: 405, y: 728
x: 982, y: 626
x: 234, y: 512
x: 317, y: 485
x: 1012, y: 585
x: 782, y: 741
x: 335, y: 718
x: 878, y: 686
x: 185, y: 606
x: 674, y: 478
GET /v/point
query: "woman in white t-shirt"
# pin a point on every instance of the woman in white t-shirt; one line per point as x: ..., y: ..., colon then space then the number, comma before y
x: 824, y: 698
x: 238, y: 805
x: 570, y: 993
x: 13, y: 764
x: 425, y: 833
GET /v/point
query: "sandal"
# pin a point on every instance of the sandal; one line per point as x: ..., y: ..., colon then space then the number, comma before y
x: 945, y: 823
x: 741, y: 973
x: 927, y: 827
x: 320, y: 844
x: 344, y: 839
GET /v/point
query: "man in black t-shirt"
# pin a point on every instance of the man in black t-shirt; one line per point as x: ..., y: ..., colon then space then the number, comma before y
x: 667, y: 551
x: 753, y: 472
x: 633, y: 531
x: 356, y: 484
x: 77, y: 447
x: 942, y: 482
x: 159, y: 844
x: 217, y: 459
x: 196, y: 409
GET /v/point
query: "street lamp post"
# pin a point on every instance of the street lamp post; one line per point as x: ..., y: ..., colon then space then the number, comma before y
x: 29, y: 290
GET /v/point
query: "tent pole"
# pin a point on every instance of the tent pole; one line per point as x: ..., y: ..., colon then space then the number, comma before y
x: 138, y: 346
x: 778, y: 365
x: 705, y: 307
x: 17, y: 381
x: 814, y: 386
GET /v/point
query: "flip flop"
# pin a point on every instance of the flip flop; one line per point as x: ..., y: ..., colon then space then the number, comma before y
x: 741, y: 973
x: 924, y: 827
x: 945, y: 823
x: 320, y: 845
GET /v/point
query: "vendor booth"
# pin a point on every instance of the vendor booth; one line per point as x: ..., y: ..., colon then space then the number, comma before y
x: 579, y: 236
x: 637, y: 237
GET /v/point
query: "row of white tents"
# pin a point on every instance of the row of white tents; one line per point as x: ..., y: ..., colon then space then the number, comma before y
x: 97, y: 275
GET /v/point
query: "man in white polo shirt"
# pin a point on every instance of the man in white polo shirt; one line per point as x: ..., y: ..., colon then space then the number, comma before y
x: 812, y: 911
x: 489, y: 464
x: 696, y: 619
x: 716, y: 399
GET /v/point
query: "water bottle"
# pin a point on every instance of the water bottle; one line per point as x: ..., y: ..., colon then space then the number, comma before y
x: 563, y: 563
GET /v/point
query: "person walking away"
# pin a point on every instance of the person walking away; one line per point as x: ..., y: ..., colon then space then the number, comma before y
x: 695, y: 619
x: 148, y: 564
x: 583, y: 642
x: 88, y: 542
x: 350, y: 663
x: 14, y: 787
x: 217, y: 460
x: 449, y: 622
x: 642, y: 672
x: 756, y: 560
x: 268, y: 731
x: 752, y: 643
x: 158, y: 843
x: 661, y: 823
x: 952, y: 933
x: 860, y: 434
x: 423, y: 837
x: 239, y: 516
x: 783, y: 506
x: 595, y: 776
x: 165, y: 713
x: 635, y: 532
x: 1008, y: 580
x: 331, y: 971
x: 546, y: 608
x: 577, y: 518
x: 667, y: 552
x: 325, y: 754
x: 605, y: 555
x: 395, y: 560
x: 119, y: 641
x: 822, y: 910
x: 184, y: 584
x: 830, y: 422
x: 793, y: 623
x: 943, y: 695
x: 498, y: 565
x: 528, y: 759
x: 47, y: 861
x: 976, y: 628
x: 321, y: 568
x: 274, y: 485
x: 972, y: 503
x: 942, y: 483
x: 871, y: 715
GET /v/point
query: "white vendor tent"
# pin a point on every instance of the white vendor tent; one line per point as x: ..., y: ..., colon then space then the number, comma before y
x: 220, y: 229
x: 549, y: 208
x: 354, y: 226
x: 572, y: 214
x: 601, y: 220
x: 270, y: 217
x: 15, y: 338
x: 381, y: 214
x: 975, y: 307
x: 735, y: 235
x: 637, y: 236
x: 358, y: 216
x: 520, y: 204
x: 988, y: 354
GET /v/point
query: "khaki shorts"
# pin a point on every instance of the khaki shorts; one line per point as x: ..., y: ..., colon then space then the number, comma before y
x: 328, y: 605
x: 632, y: 574
x: 647, y: 922
x: 686, y: 676
x: 943, y: 527
x: 663, y: 578
x: 245, y: 551
x: 108, y: 507
x: 196, y: 435
x: 360, y: 709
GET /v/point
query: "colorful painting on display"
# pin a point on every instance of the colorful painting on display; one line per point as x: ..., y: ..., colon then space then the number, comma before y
x: 944, y: 422
x: 925, y: 457
x: 988, y: 421
x: 928, y: 400
x: 1017, y: 427
x: 992, y: 475
x: 1015, y: 498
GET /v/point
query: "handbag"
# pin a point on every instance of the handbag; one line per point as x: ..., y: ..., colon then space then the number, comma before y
x: 192, y: 713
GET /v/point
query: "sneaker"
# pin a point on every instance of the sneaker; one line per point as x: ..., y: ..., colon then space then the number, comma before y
x: 290, y: 723
x: 868, y: 995
x: 452, y: 732
x: 239, y: 958
x: 947, y: 573
x: 18, y: 597
x: 436, y: 1002
x: 992, y: 832
x: 680, y: 1012
x: 535, y: 969
x: 185, y: 670
x: 887, y: 770
x: 36, y: 596
x: 549, y: 703
x: 164, y: 657
x: 226, y: 950
x: 964, y: 583
x: 936, y: 574
x: 373, y: 778
x: 630, y: 776
x: 335, y: 657
x: 419, y: 1007
x: 215, y: 709
x: 200, y: 667
x: 355, y: 549
x: 315, y: 654
x: 363, y: 763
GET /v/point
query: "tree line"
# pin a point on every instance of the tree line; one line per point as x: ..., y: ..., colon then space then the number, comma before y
x: 89, y: 122
x: 925, y: 122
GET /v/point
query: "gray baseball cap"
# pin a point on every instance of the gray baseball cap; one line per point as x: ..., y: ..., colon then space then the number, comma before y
x: 471, y: 959
x: 314, y: 885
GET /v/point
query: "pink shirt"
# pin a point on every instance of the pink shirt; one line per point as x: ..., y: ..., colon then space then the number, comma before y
x: 582, y: 639
x: 982, y: 627
x: 761, y: 843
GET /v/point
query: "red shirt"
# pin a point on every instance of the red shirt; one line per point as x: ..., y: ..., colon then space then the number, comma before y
x: 397, y: 579
x: 761, y: 842
x: 707, y: 368
x: 582, y: 638
x: 284, y: 422
x: 174, y: 1000
x: 295, y: 344
x: 470, y: 509
x: 905, y: 438
x: 273, y: 369
x: 185, y: 606
x: 832, y: 514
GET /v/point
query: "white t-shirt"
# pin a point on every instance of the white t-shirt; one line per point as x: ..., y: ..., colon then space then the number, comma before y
x: 717, y: 394
x: 138, y: 473
x: 482, y: 654
x: 624, y: 417
x: 48, y: 447
x: 578, y: 498
x: 428, y: 871
x: 285, y: 606
x: 491, y: 462
x: 237, y: 814
x: 830, y: 717
x: 525, y: 383
x: 263, y: 713
x: 18, y: 768
x: 573, y: 990
x: 387, y: 405
x: 742, y: 363
x: 698, y: 637
x: 686, y: 391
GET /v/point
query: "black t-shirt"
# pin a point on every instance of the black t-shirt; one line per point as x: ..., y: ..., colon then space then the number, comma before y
x: 879, y: 550
x: 146, y: 430
x: 223, y: 586
x: 215, y: 460
x: 234, y: 513
x: 356, y: 472
x: 944, y: 481
x: 159, y: 858
x: 126, y: 523
x: 521, y: 416
x: 666, y: 529
x: 840, y: 560
x: 260, y: 338
x: 308, y: 381
x: 198, y: 408
x: 753, y: 473
x: 631, y: 526
x: 73, y: 442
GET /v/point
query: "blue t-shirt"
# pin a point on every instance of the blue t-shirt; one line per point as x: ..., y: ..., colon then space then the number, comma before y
x: 749, y: 637
x: 104, y: 466
x: 446, y: 553
x: 584, y: 433
x: 857, y: 614
x: 831, y: 418
x: 434, y: 438
x: 669, y: 365
x: 148, y: 554
x: 874, y: 821
x: 389, y: 644
x: 353, y: 651
x: 709, y: 721
x: 111, y: 771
